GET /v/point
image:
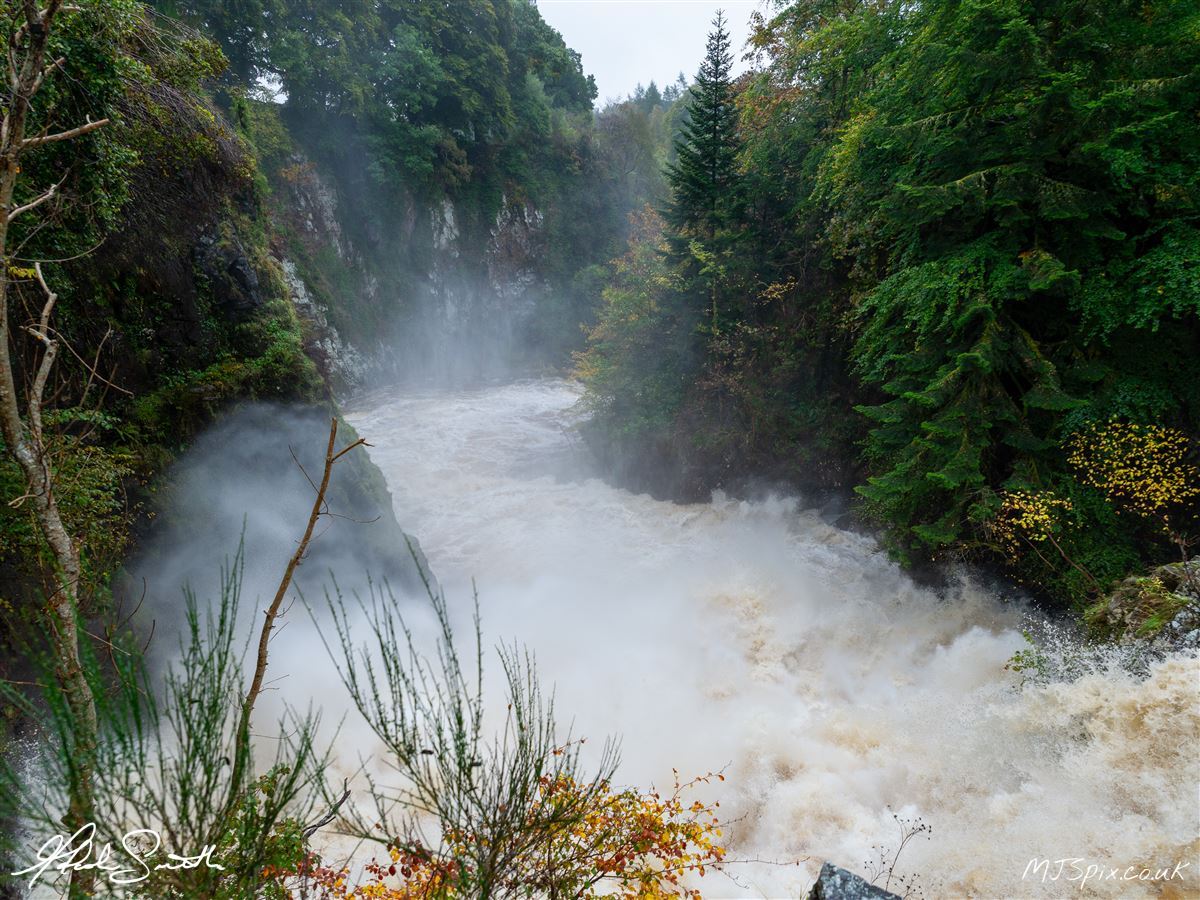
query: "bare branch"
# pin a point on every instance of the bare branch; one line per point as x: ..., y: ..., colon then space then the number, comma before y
x: 359, y: 443
x: 272, y: 613
x: 45, y: 73
x: 63, y: 135
x: 316, y: 826
x: 35, y: 203
x: 92, y: 369
x: 51, y: 299
x: 38, y: 391
x: 286, y: 582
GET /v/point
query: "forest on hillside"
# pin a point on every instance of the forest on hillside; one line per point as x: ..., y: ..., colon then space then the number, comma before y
x: 933, y: 267
x: 945, y: 255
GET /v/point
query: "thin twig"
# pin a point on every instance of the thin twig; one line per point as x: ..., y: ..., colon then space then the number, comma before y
x: 310, y: 830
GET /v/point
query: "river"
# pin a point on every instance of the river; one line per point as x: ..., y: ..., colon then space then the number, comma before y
x: 755, y: 636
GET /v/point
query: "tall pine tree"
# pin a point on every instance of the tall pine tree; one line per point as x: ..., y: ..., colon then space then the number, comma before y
x: 704, y: 182
x: 705, y: 172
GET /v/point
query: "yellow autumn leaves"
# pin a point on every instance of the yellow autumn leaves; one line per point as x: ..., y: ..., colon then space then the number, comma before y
x: 1142, y: 469
x: 623, y: 843
x: 1027, y: 515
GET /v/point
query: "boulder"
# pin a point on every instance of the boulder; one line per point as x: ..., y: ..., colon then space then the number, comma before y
x: 1163, y: 605
x: 835, y: 883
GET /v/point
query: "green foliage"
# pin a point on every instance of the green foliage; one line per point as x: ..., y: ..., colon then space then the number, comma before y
x: 112, y: 52
x: 413, y: 104
x: 89, y: 487
x: 759, y: 385
x: 463, y: 97
x: 641, y: 350
x: 274, y: 367
x: 995, y: 184
x: 261, y: 845
x: 703, y: 177
x: 167, y: 741
x: 976, y: 223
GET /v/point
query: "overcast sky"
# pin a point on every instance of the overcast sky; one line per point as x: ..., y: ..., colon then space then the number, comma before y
x: 625, y: 42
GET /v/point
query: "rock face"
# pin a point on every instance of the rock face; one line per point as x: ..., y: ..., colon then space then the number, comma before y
x: 835, y: 883
x: 229, y: 271
x: 239, y: 479
x: 402, y: 286
x: 482, y: 286
x: 1163, y: 606
x: 342, y: 365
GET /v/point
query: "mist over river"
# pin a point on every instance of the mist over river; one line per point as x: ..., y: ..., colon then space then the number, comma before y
x: 754, y: 635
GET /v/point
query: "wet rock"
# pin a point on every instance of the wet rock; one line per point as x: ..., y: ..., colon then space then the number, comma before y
x: 342, y: 365
x: 1181, y: 578
x: 226, y: 266
x: 835, y: 883
x: 1163, y: 606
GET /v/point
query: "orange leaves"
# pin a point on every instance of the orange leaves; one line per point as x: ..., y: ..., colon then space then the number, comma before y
x: 409, y: 875
x: 608, y: 842
x: 642, y: 844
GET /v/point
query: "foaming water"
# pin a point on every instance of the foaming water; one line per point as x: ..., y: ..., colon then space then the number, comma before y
x: 756, y: 635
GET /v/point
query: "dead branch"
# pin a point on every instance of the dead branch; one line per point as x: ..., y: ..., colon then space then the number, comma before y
x: 67, y: 135
x: 272, y: 611
x: 49, y: 194
x: 93, y: 368
x: 38, y: 391
x: 310, y: 830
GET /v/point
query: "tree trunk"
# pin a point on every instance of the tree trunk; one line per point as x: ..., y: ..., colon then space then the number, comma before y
x: 23, y: 437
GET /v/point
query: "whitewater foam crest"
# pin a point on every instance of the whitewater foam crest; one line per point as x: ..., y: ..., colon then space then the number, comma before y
x: 754, y: 634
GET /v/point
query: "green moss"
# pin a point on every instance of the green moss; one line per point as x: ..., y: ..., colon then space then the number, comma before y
x: 1140, y: 606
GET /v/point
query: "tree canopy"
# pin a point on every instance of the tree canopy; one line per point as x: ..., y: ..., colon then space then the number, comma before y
x: 974, y: 222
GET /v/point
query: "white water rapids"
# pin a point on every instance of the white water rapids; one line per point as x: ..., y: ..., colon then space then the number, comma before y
x: 755, y: 635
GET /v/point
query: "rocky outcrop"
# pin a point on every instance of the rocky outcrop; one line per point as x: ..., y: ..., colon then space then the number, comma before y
x: 390, y: 283
x: 514, y: 251
x: 245, y: 477
x: 342, y: 366
x: 1163, y: 606
x: 225, y: 264
x: 315, y: 205
x: 835, y: 883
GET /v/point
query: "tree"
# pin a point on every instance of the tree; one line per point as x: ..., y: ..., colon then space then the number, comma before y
x: 29, y: 66
x: 175, y: 749
x: 513, y: 813
x: 704, y: 174
x: 240, y: 27
x: 1004, y: 190
x: 704, y: 179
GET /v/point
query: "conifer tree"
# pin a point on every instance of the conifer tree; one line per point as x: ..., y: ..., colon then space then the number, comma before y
x: 705, y: 170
